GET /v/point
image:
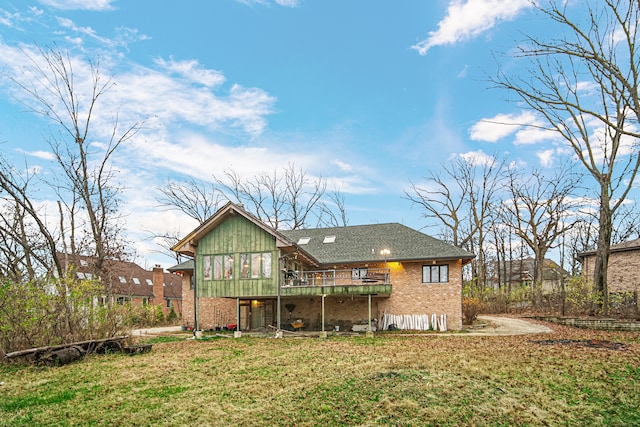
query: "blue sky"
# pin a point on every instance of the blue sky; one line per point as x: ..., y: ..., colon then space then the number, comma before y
x: 369, y: 94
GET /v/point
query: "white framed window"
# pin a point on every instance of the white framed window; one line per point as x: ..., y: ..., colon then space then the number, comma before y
x: 136, y: 280
x: 435, y: 273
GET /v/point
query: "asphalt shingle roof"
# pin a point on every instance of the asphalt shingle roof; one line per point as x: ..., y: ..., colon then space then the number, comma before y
x: 363, y: 243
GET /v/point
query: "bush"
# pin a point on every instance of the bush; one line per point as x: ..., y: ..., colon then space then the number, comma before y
x: 39, y: 314
x: 172, y: 317
x: 471, y: 307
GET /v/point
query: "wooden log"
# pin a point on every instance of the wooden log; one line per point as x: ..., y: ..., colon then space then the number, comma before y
x: 62, y: 346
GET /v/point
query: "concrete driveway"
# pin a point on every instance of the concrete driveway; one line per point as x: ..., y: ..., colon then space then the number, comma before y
x: 508, y: 326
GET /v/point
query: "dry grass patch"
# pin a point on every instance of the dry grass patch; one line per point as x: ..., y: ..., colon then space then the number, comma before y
x: 388, y: 380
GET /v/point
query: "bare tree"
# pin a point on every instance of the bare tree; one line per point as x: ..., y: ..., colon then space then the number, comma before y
x: 27, y: 244
x: 197, y: 199
x: 462, y: 202
x: 89, y: 197
x: 284, y: 199
x: 539, y: 212
x: 599, y: 54
x: 333, y: 211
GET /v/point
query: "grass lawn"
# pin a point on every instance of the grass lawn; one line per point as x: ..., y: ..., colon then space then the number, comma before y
x: 391, y: 379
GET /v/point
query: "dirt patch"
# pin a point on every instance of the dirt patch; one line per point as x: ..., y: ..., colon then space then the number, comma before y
x: 609, y: 345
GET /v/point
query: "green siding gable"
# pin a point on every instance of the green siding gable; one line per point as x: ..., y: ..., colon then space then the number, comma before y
x: 233, y: 236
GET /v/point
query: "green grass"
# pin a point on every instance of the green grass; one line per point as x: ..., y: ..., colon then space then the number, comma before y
x: 388, y: 380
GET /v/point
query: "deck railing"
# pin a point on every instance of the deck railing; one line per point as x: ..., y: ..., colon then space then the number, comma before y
x: 352, y: 277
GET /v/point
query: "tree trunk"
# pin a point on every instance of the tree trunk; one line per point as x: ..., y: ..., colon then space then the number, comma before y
x: 602, y: 250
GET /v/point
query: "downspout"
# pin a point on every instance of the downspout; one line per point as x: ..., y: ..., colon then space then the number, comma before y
x: 196, y: 325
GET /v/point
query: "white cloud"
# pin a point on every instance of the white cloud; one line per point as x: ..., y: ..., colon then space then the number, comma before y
x: 45, y: 155
x: 343, y: 165
x: 193, y: 71
x: 467, y: 20
x: 95, y: 5
x: 501, y: 125
x: 546, y: 157
x: 476, y: 158
x: 287, y: 3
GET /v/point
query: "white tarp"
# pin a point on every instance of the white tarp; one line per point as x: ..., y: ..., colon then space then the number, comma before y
x: 416, y: 322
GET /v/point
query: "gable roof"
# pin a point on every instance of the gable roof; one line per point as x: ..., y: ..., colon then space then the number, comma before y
x: 187, y: 246
x: 363, y: 243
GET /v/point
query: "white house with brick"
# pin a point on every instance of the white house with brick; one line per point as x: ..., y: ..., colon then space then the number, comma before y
x: 243, y: 272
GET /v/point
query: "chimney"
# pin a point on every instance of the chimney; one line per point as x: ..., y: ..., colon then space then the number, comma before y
x: 158, y: 286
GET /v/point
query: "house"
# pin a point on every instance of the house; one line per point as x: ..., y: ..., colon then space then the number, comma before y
x: 243, y: 272
x: 127, y: 282
x: 623, y: 267
x: 520, y: 272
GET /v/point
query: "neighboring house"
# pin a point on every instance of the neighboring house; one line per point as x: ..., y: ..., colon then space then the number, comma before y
x: 128, y: 282
x: 520, y: 272
x: 624, y: 266
x: 247, y: 272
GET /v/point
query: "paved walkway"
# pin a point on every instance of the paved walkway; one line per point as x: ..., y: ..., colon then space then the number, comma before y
x: 508, y: 326
x: 145, y: 332
x: 496, y: 326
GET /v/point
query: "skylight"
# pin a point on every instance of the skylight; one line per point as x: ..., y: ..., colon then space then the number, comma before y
x: 304, y: 240
x: 122, y: 279
x: 329, y: 239
x: 149, y: 282
x: 136, y: 280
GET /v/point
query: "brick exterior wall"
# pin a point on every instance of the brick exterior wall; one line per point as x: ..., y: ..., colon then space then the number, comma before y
x: 623, y: 274
x: 159, y: 294
x: 409, y: 296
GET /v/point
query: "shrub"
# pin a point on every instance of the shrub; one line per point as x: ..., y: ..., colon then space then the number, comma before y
x: 38, y: 314
x: 172, y: 317
x: 158, y: 317
x: 471, y: 307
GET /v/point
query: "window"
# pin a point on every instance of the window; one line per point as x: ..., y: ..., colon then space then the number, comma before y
x: 244, y: 266
x: 435, y: 273
x: 255, y: 265
x: 329, y: 239
x: 228, y: 267
x: 221, y: 267
x: 122, y: 279
x: 359, y: 273
x: 149, y: 282
x: 217, y: 267
x: 304, y: 240
x: 168, y: 303
x: 136, y: 280
x: 206, y: 270
x: 80, y: 275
